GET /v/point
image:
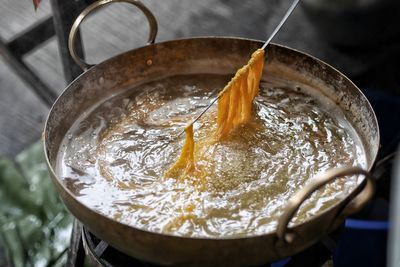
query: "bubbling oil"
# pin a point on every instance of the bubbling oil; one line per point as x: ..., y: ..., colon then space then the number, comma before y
x: 114, y: 158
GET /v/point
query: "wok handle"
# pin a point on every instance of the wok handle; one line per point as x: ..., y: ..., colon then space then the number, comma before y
x: 96, y: 5
x: 353, y: 206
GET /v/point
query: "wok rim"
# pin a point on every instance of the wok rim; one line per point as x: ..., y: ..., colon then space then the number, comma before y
x: 56, y: 179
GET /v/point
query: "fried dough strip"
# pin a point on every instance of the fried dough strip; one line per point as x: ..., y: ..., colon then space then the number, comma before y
x: 235, y: 101
x: 185, y: 162
x: 234, y: 108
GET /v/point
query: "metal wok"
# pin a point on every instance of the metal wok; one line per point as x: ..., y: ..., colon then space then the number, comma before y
x: 222, y: 56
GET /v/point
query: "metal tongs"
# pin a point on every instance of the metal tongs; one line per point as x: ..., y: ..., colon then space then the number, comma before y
x: 276, y: 30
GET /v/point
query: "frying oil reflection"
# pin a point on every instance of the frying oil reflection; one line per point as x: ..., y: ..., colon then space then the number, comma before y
x: 114, y: 158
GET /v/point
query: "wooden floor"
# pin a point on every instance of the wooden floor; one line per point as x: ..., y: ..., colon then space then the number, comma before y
x: 121, y: 27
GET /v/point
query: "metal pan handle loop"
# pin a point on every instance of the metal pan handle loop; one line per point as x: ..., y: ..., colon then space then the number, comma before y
x: 353, y: 206
x: 96, y: 5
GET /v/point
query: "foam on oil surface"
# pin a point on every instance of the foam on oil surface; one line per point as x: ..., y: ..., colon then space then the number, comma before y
x: 114, y: 157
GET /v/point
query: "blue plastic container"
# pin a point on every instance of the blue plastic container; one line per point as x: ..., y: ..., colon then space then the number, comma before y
x: 363, y: 243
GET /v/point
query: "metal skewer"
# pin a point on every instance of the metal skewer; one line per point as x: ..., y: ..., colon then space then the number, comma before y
x: 276, y: 30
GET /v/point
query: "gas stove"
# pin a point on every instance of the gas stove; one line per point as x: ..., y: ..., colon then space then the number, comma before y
x: 100, y: 254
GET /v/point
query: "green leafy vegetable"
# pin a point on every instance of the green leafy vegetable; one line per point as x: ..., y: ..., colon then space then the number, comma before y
x: 34, y: 224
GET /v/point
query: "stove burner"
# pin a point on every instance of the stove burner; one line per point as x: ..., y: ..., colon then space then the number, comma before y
x: 100, y: 254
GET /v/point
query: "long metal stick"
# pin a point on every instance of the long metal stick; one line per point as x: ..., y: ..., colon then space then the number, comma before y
x: 290, y: 10
x: 276, y: 30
